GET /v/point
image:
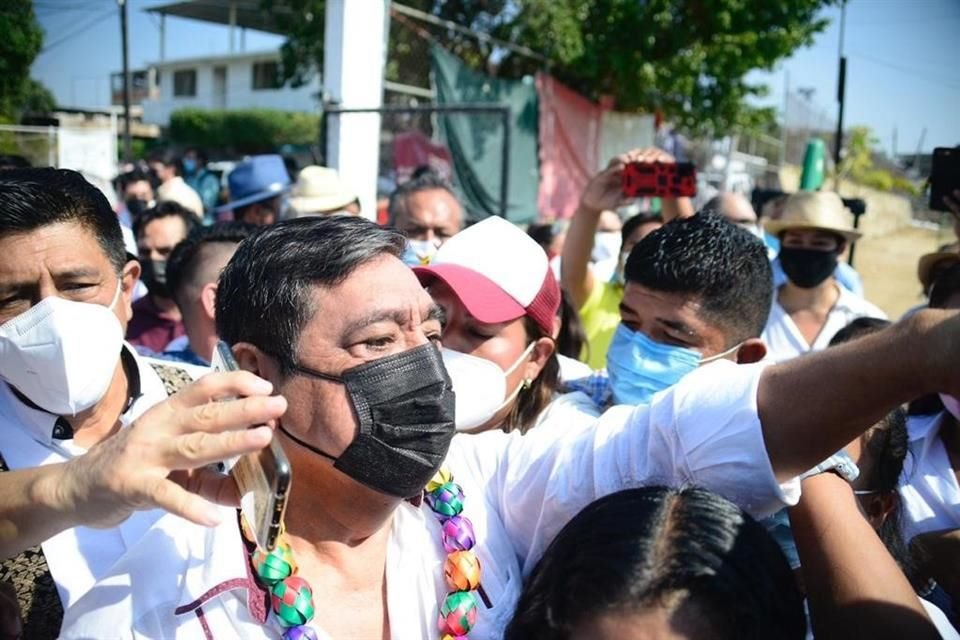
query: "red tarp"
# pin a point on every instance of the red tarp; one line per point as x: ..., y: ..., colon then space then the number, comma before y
x: 570, y: 128
x: 413, y: 149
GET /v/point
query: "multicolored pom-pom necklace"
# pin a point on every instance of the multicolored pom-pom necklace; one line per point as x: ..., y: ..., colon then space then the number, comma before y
x: 291, y: 597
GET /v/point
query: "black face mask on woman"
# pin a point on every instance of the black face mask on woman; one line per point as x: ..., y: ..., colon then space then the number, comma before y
x: 807, y: 268
x: 405, y: 407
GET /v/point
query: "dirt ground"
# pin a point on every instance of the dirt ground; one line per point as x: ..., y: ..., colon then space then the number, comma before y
x: 888, y: 265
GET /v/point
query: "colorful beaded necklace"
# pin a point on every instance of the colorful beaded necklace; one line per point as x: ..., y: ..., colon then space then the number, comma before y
x: 291, y: 597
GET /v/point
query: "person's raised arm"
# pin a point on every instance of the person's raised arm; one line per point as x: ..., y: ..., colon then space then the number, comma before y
x: 159, y: 461
x: 812, y: 406
x: 601, y: 193
x: 854, y: 586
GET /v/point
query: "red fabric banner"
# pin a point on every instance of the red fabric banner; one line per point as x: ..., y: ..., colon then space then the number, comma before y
x: 570, y: 128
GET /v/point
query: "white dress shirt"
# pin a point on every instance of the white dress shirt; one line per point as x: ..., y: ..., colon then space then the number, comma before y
x: 77, y: 557
x: 928, y: 487
x: 784, y: 340
x: 185, y: 581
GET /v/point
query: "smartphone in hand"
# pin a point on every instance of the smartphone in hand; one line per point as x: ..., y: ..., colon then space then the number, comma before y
x: 944, y: 176
x: 263, y: 477
x: 660, y: 180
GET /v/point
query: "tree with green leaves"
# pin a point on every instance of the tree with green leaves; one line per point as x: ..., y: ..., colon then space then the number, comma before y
x: 685, y: 58
x: 20, y: 41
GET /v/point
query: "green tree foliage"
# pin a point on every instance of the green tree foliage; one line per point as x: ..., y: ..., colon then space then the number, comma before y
x: 242, y: 130
x: 37, y: 99
x: 686, y: 58
x: 20, y: 41
x: 858, y: 164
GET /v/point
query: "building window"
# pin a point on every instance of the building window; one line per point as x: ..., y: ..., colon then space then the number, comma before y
x: 185, y: 83
x: 266, y: 75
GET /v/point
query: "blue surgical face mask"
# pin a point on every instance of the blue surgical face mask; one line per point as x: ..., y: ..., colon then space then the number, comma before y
x: 640, y: 367
x: 419, y: 252
x: 189, y: 165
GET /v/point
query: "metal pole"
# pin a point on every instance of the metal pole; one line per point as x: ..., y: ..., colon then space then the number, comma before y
x: 841, y: 94
x: 127, y: 152
x: 163, y: 37
x: 505, y: 164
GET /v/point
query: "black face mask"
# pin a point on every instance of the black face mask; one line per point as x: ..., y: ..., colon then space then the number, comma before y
x: 154, y: 274
x: 404, y: 404
x: 136, y: 206
x: 807, y: 268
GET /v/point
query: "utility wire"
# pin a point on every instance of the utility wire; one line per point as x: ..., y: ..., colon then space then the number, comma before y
x: 81, y: 29
x: 919, y: 75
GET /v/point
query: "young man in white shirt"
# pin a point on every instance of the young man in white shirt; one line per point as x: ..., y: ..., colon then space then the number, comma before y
x: 811, y: 306
x: 344, y: 331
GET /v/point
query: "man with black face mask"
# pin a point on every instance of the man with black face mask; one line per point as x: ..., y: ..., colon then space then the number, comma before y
x: 156, y: 319
x: 395, y: 527
x: 811, y: 306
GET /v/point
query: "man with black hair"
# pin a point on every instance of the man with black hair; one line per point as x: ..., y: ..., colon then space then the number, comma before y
x: 427, y: 212
x: 193, y: 269
x: 698, y: 289
x: 156, y: 319
x: 596, y: 300
x: 136, y: 189
x: 67, y: 383
x: 325, y: 310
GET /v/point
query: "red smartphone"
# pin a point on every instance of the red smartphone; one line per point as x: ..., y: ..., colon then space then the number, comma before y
x: 660, y: 180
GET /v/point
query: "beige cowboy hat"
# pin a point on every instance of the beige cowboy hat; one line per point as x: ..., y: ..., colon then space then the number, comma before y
x: 822, y: 210
x: 320, y: 189
x: 931, y: 262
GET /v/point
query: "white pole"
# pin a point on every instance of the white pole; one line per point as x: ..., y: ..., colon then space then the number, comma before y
x: 353, y: 60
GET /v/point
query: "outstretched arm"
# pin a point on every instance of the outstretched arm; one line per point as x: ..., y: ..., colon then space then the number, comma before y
x: 159, y: 461
x: 812, y: 406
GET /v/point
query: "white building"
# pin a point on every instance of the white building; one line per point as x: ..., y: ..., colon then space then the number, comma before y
x: 232, y: 81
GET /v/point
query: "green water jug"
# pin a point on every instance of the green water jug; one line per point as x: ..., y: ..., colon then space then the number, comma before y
x: 814, y: 165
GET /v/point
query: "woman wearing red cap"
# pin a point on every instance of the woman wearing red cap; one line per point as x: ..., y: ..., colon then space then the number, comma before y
x: 500, y: 300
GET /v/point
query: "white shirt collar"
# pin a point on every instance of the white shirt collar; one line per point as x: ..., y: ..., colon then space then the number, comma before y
x: 39, y: 425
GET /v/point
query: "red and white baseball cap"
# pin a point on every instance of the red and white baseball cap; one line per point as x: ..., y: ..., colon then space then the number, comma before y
x: 498, y: 272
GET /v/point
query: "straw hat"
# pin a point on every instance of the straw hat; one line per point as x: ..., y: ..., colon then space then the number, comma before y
x: 930, y: 262
x: 822, y: 210
x: 320, y: 189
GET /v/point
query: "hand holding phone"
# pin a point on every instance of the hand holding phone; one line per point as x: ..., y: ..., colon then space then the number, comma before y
x: 945, y: 179
x: 263, y: 478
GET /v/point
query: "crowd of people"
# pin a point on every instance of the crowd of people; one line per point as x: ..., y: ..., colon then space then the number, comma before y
x: 675, y: 423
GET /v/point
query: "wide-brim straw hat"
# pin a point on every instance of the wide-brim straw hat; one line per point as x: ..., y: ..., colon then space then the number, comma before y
x: 929, y: 262
x: 320, y: 189
x: 821, y: 210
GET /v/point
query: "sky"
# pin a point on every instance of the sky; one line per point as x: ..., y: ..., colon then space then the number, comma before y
x: 903, y: 67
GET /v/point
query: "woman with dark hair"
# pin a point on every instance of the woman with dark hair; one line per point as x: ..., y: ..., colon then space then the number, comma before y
x: 500, y: 303
x: 930, y: 490
x: 660, y: 562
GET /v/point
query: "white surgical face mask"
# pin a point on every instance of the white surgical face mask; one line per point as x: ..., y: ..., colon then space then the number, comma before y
x: 480, y: 386
x: 606, y: 244
x: 62, y: 354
